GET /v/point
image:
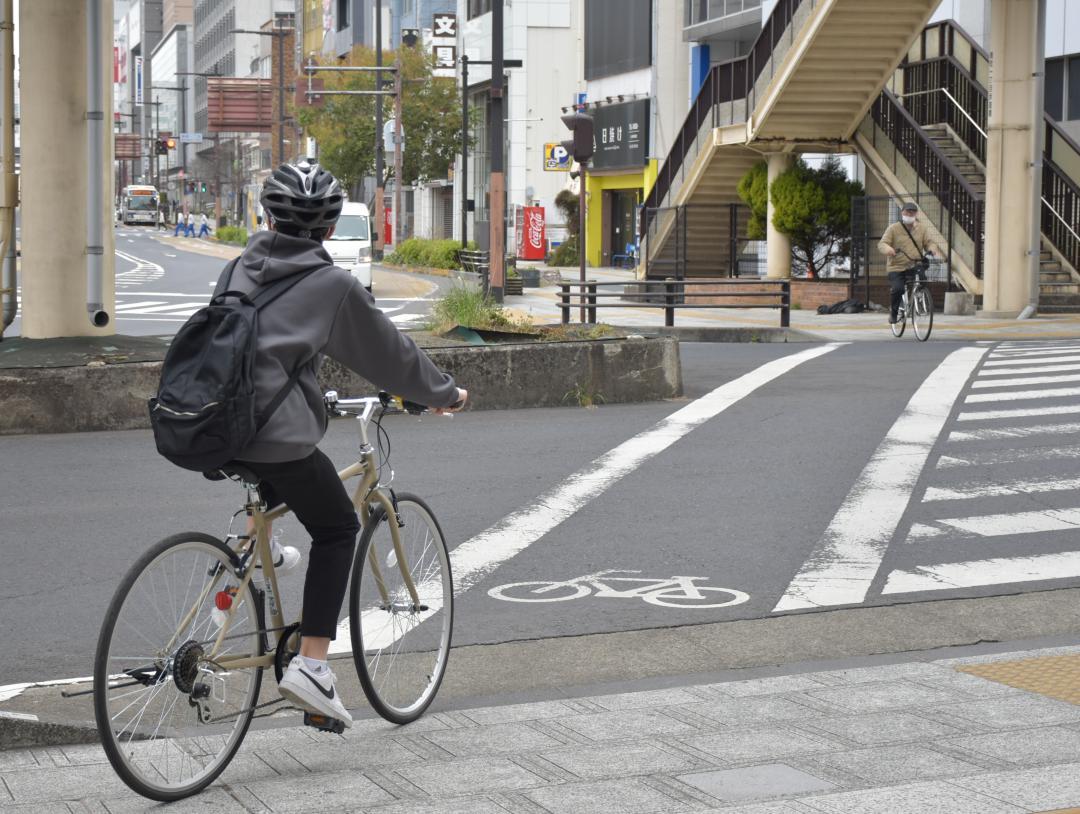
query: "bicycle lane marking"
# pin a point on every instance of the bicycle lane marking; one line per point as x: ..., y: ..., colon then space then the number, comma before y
x: 476, y: 558
x: 847, y: 558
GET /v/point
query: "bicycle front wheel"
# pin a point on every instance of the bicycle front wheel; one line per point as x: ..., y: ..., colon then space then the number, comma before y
x: 922, y: 314
x: 400, y: 646
x: 897, y: 327
x: 170, y: 710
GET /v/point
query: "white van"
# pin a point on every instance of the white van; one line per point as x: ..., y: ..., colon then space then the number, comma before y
x: 350, y: 245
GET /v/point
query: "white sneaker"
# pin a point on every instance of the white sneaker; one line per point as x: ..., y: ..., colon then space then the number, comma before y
x: 316, y: 693
x: 285, y: 556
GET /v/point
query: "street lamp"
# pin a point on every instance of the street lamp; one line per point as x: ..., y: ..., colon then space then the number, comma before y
x: 279, y: 33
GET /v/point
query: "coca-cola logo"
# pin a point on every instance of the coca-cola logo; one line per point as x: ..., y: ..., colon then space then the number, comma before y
x: 536, y: 229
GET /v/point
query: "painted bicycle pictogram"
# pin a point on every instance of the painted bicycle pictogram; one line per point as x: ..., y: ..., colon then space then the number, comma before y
x: 670, y: 592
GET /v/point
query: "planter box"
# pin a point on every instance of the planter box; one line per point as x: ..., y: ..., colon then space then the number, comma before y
x: 513, y: 285
x: 530, y: 278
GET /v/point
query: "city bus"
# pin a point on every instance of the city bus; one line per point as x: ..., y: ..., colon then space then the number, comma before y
x: 139, y: 204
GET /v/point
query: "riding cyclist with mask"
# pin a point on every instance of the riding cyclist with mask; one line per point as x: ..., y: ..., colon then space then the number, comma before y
x: 328, y: 312
x: 905, y: 243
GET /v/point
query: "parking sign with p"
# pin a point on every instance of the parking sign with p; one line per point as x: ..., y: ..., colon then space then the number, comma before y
x: 556, y: 158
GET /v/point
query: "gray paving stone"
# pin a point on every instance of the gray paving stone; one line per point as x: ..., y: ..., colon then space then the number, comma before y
x: 48, y: 785
x: 646, y: 699
x: 36, y: 808
x: 764, y: 743
x: 913, y: 798
x: 618, y: 760
x: 897, y: 764
x: 878, y: 673
x: 1022, y: 711
x: 786, y: 807
x: 605, y: 797
x: 881, y: 727
x: 1015, y: 656
x: 966, y: 684
x: 1041, y: 745
x: 1041, y: 789
x: 633, y: 723
x: 493, y: 739
x: 332, y: 791
x: 83, y: 755
x: 510, y: 713
x: 16, y: 759
x: 756, y: 782
x: 211, y: 801
x: 753, y: 709
x: 765, y: 686
x: 354, y: 754
x: 458, y: 777
x: 474, y: 805
x: 888, y: 695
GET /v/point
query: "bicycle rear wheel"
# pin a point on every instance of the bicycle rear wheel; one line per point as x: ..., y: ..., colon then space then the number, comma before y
x: 897, y: 327
x: 401, y: 650
x: 922, y: 313
x: 170, y: 717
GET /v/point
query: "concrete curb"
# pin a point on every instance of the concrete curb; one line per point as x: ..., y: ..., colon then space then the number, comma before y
x: 24, y: 733
x: 101, y: 396
x: 734, y: 335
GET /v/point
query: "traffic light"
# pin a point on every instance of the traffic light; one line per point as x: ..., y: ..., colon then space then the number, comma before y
x: 161, y: 147
x: 581, y: 145
x: 203, y: 186
x: 170, y: 143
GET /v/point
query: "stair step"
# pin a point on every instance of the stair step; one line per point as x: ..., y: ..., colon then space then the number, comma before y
x: 1059, y: 309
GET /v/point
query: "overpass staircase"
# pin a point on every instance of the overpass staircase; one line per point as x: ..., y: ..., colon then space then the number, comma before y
x: 911, y: 100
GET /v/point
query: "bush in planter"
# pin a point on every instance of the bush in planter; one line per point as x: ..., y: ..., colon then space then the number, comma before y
x: 236, y: 235
x: 417, y: 251
x: 566, y: 253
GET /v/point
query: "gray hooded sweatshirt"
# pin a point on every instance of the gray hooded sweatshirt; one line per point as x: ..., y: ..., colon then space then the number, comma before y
x: 328, y: 312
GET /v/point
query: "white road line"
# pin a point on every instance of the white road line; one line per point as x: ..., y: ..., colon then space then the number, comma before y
x: 481, y: 555
x: 1026, y: 354
x: 9, y: 691
x: 1045, y: 360
x: 1001, y: 525
x: 184, y: 308
x: 848, y: 556
x: 1023, y: 412
x: 1023, y: 381
x: 1064, y: 343
x: 123, y: 306
x: 1020, y: 395
x: 991, y: 434
x: 970, y: 491
x: 976, y: 573
x: 1008, y: 456
x: 150, y: 319
x: 1013, y: 371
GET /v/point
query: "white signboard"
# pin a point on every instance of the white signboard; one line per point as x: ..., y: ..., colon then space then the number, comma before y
x: 444, y: 31
x: 191, y: 138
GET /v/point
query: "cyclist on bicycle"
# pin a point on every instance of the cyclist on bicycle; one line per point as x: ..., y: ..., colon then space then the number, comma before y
x: 326, y: 313
x: 905, y: 243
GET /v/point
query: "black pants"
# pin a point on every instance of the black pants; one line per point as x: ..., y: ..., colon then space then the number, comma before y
x: 311, y: 488
x: 897, y: 281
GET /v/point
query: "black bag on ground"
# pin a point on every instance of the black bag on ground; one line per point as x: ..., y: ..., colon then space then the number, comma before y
x: 204, y: 410
x: 842, y: 307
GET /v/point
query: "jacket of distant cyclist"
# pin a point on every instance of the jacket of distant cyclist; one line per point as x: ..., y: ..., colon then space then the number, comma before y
x: 327, y: 313
x: 907, y: 252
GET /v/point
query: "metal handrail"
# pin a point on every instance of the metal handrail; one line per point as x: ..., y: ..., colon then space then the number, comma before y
x: 1054, y: 212
x: 952, y: 99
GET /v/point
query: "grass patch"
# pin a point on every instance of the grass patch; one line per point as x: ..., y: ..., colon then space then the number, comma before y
x: 470, y: 307
x: 236, y: 235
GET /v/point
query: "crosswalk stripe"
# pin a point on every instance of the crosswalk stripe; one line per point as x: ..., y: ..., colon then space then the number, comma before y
x: 1046, y: 360
x: 1008, y: 456
x: 994, y: 433
x: 185, y: 307
x: 124, y: 306
x: 1000, y: 525
x: 1023, y: 381
x: 1021, y: 395
x: 1025, y: 354
x: 1014, y: 371
x: 846, y: 560
x: 976, y: 573
x: 972, y: 491
x: 1023, y: 412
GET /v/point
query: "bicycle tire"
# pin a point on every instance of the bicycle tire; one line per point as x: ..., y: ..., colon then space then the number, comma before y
x: 922, y: 313
x: 503, y: 592
x: 394, y: 643
x: 137, y: 761
x: 897, y: 327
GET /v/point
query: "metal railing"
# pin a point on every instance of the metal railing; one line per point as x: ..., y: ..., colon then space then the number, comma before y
x: 941, y: 91
x: 1061, y: 212
x: 701, y: 240
x: 671, y: 295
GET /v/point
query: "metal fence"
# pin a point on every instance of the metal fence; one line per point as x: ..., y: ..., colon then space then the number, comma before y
x: 699, y: 240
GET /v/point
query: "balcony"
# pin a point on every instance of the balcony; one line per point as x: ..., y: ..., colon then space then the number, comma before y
x: 728, y: 19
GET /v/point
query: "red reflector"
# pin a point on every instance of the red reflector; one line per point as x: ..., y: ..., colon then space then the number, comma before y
x: 223, y: 600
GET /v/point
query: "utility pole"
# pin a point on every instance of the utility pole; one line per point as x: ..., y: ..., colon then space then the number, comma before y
x: 399, y: 159
x: 281, y: 91
x: 157, y: 130
x: 497, y: 187
x: 464, y: 151
x: 380, y: 157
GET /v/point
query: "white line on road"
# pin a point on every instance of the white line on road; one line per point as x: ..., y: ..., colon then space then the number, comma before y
x: 1045, y: 360
x: 848, y: 556
x: 481, y: 555
x: 1031, y: 354
x: 1013, y: 371
x: 970, y: 491
x: 1008, y: 456
x: 181, y: 308
x: 123, y: 306
x: 1020, y: 395
x: 1023, y: 412
x: 991, y: 434
x: 976, y: 573
x: 1023, y: 381
x: 1001, y: 525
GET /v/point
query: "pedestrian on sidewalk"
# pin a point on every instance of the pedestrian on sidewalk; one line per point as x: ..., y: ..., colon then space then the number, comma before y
x: 905, y: 243
x: 204, y: 228
x: 179, y: 224
x: 161, y: 220
x: 190, y: 222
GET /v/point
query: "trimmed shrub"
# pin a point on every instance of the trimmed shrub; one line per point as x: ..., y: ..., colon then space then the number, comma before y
x: 237, y: 235
x: 417, y: 251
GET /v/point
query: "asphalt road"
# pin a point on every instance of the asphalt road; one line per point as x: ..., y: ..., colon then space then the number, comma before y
x: 851, y: 475
x: 159, y: 285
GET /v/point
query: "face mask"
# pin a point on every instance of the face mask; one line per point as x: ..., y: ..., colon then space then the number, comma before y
x: 909, y: 220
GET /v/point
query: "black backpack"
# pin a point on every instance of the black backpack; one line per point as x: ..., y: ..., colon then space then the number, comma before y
x: 204, y: 412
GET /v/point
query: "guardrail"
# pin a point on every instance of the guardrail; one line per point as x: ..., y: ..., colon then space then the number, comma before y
x: 671, y: 295
x: 477, y: 262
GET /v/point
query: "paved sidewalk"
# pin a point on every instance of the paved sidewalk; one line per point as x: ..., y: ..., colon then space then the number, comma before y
x: 914, y: 737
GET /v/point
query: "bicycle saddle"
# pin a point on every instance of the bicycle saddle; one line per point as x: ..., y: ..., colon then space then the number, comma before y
x: 233, y: 470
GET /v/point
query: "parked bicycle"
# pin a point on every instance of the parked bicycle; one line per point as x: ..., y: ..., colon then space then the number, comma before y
x: 917, y: 303
x: 186, y: 638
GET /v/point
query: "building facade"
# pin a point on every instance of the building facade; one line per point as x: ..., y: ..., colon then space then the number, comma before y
x: 174, y: 96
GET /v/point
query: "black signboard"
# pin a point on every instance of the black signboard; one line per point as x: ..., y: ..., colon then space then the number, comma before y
x: 621, y: 134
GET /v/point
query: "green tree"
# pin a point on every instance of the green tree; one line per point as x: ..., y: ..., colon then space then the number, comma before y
x: 812, y: 206
x: 345, y: 125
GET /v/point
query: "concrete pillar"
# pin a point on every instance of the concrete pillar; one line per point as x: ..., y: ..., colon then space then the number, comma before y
x: 778, y: 246
x: 1011, y: 181
x: 53, y: 59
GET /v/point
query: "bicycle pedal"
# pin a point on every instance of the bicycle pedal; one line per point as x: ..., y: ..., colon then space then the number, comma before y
x: 324, y: 723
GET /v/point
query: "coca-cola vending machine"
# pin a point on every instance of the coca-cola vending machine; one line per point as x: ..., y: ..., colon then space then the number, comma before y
x: 529, y: 233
